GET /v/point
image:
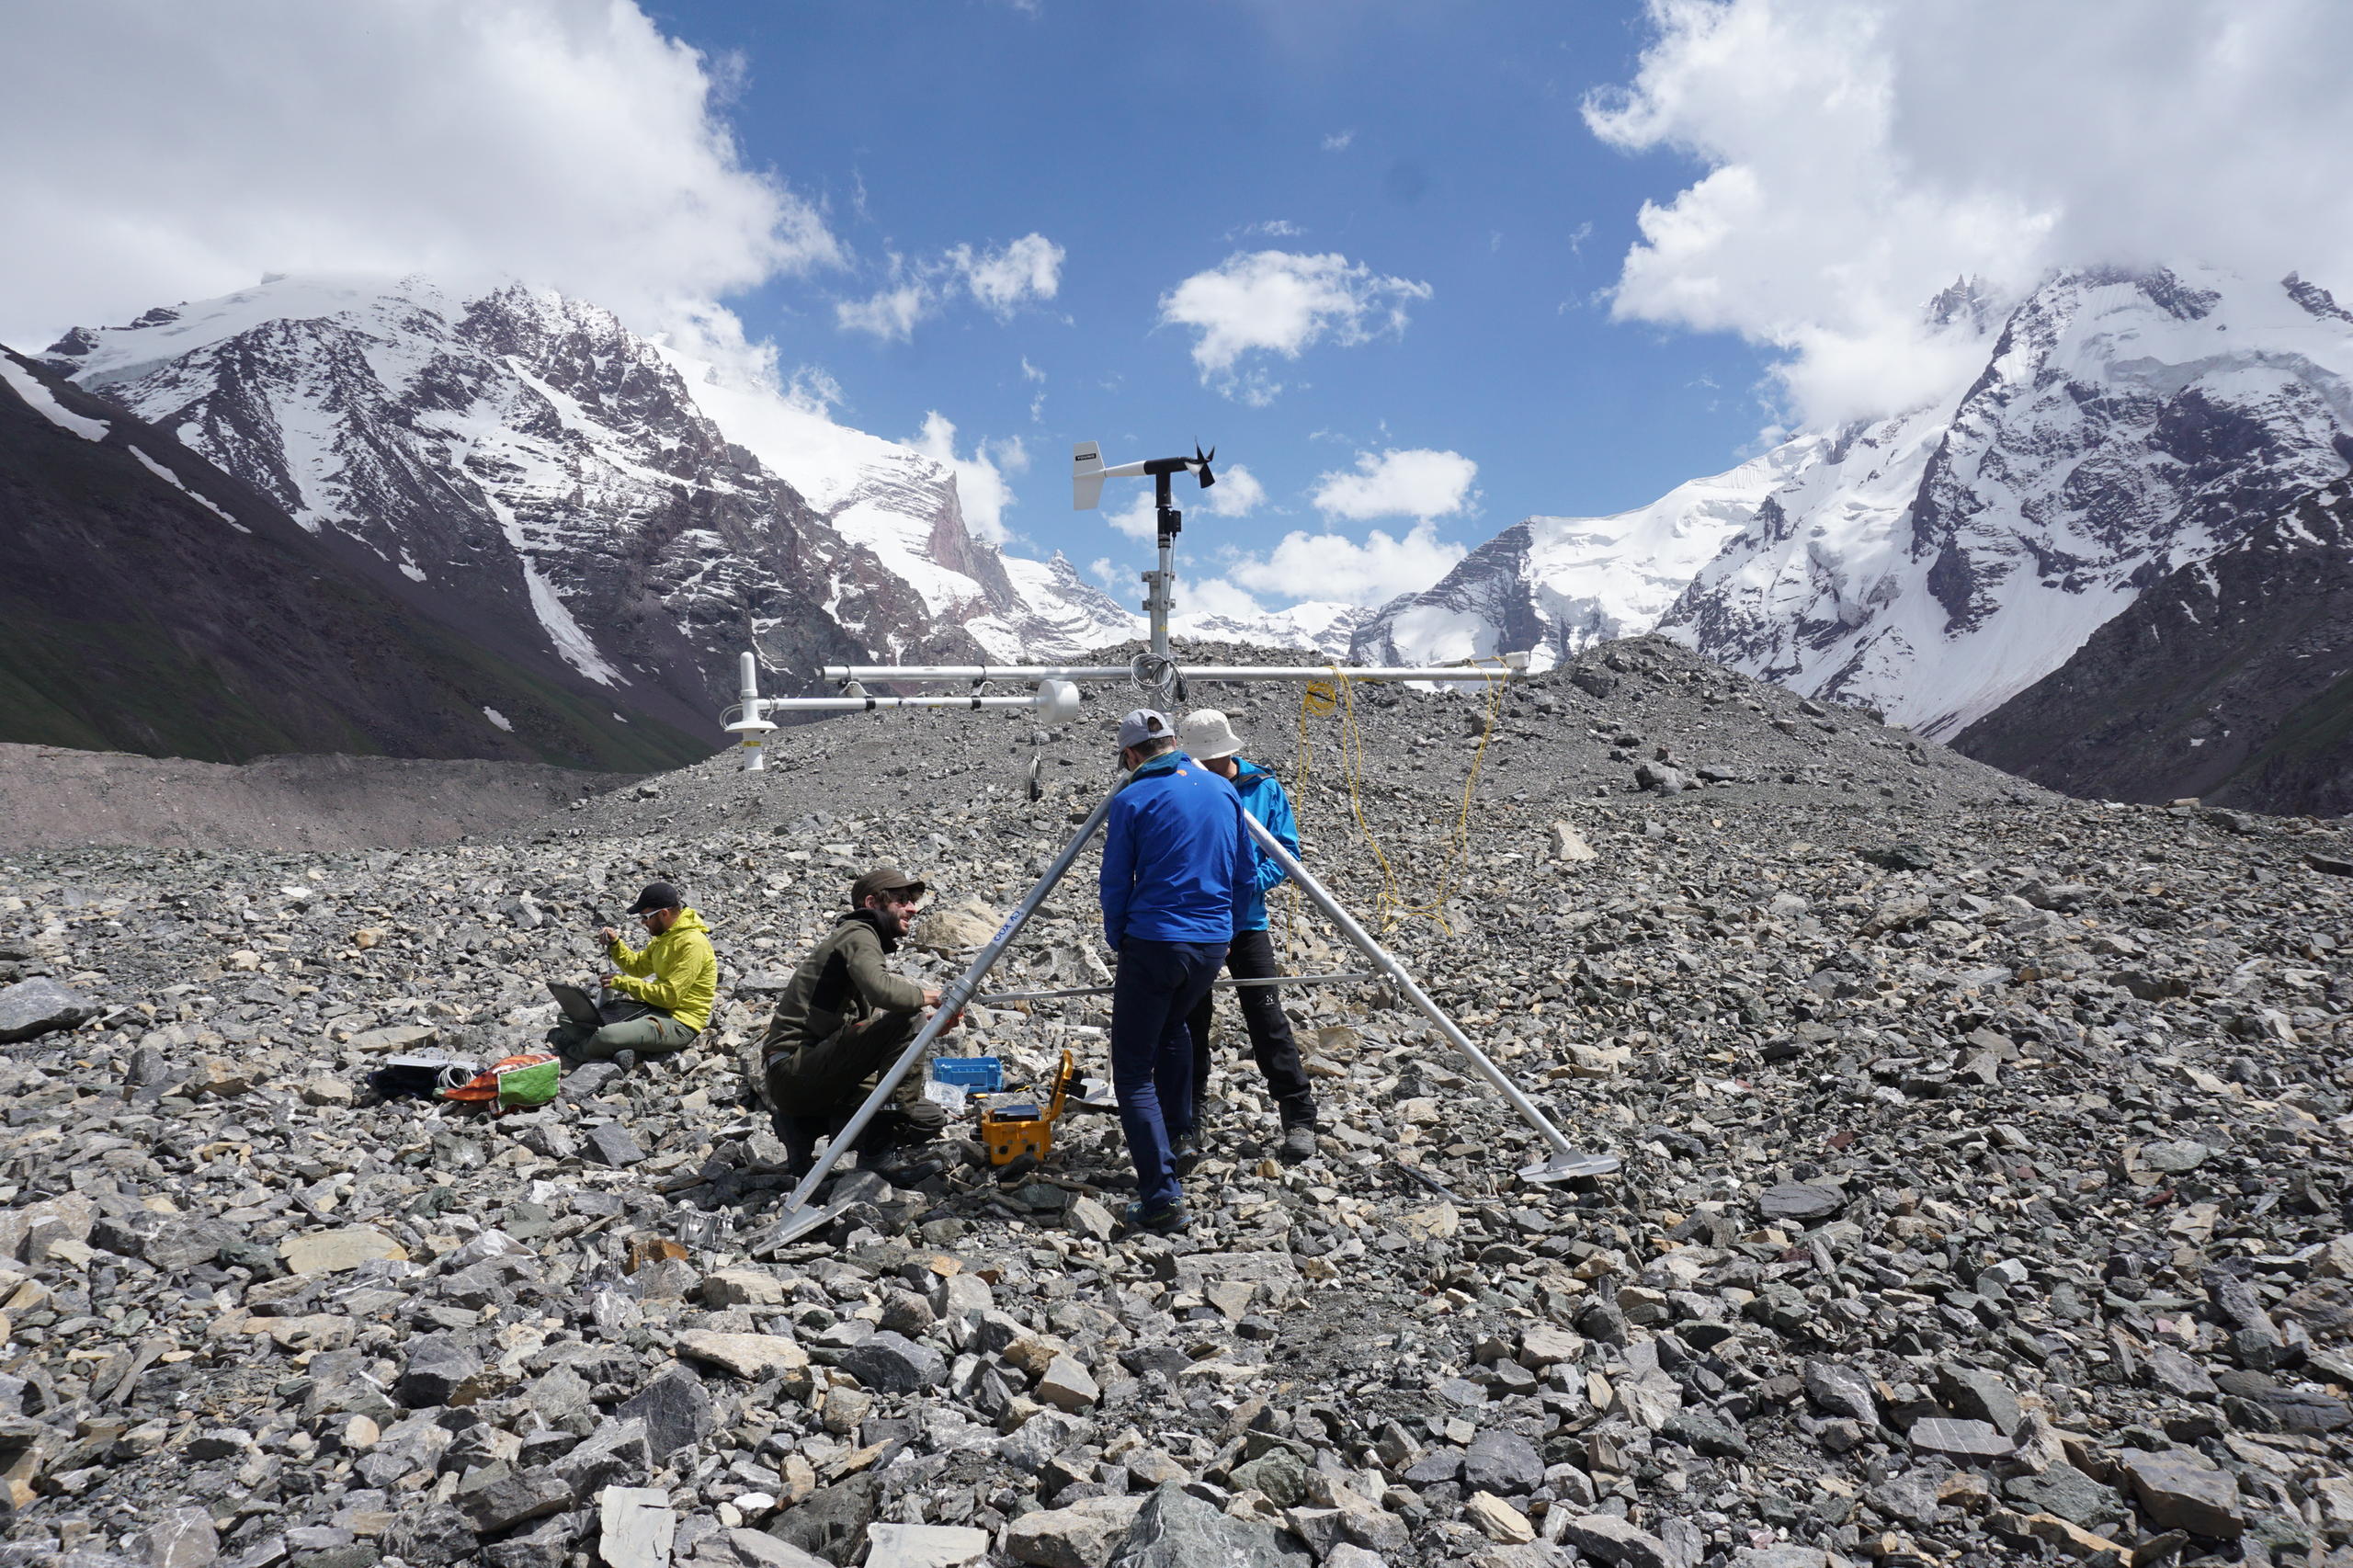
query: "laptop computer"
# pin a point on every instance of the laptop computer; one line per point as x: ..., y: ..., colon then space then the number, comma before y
x: 576, y: 1003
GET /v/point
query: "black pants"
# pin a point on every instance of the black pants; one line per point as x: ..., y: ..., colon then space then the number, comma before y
x: 1252, y: 957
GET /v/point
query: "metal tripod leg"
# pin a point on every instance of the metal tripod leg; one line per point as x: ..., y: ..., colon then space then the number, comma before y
x: 798, y: 1218
x: 1567, y: 1162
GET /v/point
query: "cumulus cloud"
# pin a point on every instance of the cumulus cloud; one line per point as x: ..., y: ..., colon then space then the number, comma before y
x: 981, y: 483
x: 568, y: 142
x: 1859, y: 155
x: 1028, y: 268
x: 1335, y: 567
x: 1281, y: 302
x: 1236, y: 494
x: 1000, y: 280
x: 889, y: 314
x: 1415, y: 483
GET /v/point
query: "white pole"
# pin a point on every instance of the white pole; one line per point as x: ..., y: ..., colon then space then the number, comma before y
x: 747, y: 667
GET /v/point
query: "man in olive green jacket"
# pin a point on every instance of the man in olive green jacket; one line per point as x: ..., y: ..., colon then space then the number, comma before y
x: 843, y: 1019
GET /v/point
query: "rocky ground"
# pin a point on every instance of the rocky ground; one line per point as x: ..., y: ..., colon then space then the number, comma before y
x: 1983, y: 1200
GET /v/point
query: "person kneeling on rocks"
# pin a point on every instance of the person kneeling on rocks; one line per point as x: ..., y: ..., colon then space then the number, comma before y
x: 667, y: 987
x: 842, y: 1020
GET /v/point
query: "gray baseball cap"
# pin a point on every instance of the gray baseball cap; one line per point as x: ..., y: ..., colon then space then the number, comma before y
x: 1143, y: 725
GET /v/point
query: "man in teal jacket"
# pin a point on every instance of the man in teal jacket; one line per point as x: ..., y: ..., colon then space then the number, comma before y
x: 1210, y: 739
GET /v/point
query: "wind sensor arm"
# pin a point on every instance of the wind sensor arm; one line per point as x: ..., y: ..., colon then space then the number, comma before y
x: 1088, y: 473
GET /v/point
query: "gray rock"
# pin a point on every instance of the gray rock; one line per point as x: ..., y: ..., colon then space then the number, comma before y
x: 675, y: 1410
x: 183, y: 1539
x: 1177, y: 1530
x: 1705, y: 1432
x: 2181, y: 1491
x: 892, y: 1363
x: 439, y: 1371
x: 1960, y: 1439
x: 31, y: 1008
x: 1978, y: 1395
x: 1503, y: 1463
x: 2177, y: 1374
x: 617, y: 1453
x: 609, y: 1144
x: 1840, y: 1389
x: 831, y: 1521
x: 497, y: 1497
x: 2065, y: 1491
x: 1804, y: 1202
x: 634, y: 1527
x: 1613, y: 1540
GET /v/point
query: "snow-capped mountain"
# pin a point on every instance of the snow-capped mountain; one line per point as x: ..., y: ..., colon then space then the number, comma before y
x: 527, y: 457
x: 154, y: 603
x: 1553, y: 584
x: 2231, y: 680
x: 1936, y: 563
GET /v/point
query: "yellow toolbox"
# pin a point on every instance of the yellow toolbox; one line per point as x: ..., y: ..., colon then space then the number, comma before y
x: 1014, y: 1125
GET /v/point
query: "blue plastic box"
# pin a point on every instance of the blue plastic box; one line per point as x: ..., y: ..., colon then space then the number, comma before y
x: 986, y: 1073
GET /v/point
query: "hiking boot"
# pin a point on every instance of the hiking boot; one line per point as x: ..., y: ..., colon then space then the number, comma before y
x: 1298, y: 1143
x: 1160, y: 1218
x: 1186, y: 1154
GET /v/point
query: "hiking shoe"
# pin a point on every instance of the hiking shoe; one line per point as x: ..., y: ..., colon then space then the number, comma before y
x: 1188, y: 1154
x: 1298, y: 1143
x: 1160, y: 1218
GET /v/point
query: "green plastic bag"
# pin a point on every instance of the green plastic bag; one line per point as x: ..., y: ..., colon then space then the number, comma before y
x: 516, y: 1082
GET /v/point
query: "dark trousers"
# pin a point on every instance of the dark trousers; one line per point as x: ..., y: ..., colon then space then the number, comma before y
x: 815, y: 1089
x: 1252, y: 957
x: 1151, y: 1055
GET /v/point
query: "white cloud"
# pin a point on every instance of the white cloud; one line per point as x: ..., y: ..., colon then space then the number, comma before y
x: 1334, y: 567
x: 1416, y: 482
x: 1281, y: 302
x: 811, y: 390
x: 1861, y: 154
x: 1339, y: 141
x: 980, y: 478
x: 1236, y: 494
x: 568, y: 142
x: 1028, y: 268
x: 1138, y: 519
x: 890, y: 314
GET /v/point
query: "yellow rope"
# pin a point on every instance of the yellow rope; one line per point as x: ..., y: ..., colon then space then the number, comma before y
x: 1391, y: 905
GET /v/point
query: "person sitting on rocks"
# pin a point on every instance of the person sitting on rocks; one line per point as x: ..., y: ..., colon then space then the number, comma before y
x: 668, y: 987
x: 1210, y: 739
x: 842, y: 1020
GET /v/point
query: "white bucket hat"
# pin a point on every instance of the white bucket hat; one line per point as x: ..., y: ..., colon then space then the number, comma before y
x: 1208, y: 735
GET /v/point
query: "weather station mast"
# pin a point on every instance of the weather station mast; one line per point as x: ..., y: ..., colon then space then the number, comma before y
x: 1054, y: 699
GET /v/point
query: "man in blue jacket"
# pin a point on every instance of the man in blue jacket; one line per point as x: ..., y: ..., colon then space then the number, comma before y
x: 1210, y: 739
x: 1175, y: 882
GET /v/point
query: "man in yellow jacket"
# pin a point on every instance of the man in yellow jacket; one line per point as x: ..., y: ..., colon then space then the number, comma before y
x: 666, y: 986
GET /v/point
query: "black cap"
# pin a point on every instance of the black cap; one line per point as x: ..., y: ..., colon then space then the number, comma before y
x: 657, y: 895
x: 886, y: 877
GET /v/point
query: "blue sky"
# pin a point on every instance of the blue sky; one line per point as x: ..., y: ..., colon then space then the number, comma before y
x: 1439, y: 146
